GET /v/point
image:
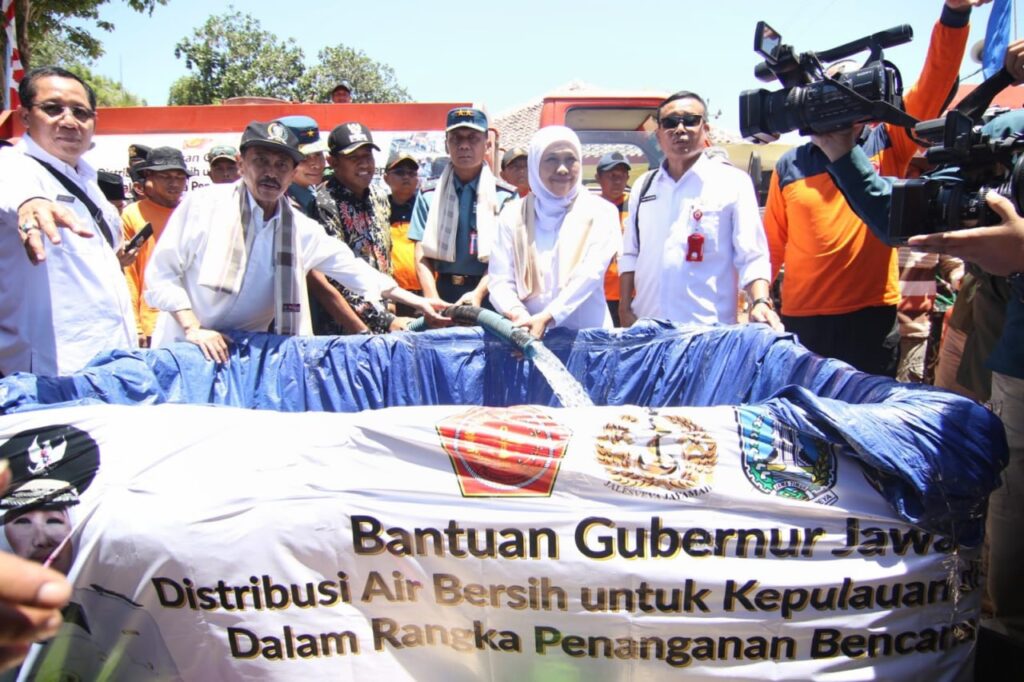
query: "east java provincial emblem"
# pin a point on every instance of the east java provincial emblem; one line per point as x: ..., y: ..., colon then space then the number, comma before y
x: 504, y: 452
x: 780, y: 460
x: 661, y: 452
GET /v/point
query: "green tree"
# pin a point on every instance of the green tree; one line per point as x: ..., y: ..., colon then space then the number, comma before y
x: 371, y: 81
x: 109, y: 93
x: 52, y: 52
x: 232, y: 56
x: 49, y: 20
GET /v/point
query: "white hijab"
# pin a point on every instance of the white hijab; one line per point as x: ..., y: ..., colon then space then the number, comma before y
x: 550, y: 210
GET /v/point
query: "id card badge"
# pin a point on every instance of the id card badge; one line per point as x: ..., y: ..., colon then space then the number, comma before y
x: 695, y: 248
x: 472, y: 243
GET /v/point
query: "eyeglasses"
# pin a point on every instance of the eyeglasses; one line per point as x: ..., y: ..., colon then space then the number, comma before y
x: 404, y: 173
x: 55, y: 110
x: 687, y: 120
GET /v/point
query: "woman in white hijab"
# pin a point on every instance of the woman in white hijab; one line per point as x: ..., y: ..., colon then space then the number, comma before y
x: 554, y: 245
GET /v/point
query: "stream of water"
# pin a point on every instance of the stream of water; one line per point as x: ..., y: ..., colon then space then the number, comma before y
x: 565, y: 386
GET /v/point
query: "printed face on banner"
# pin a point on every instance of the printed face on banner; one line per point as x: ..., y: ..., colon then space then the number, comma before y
x: 50, y: 468
x: 780, y: 460
x: 40, y: 536
x: 509, y: 452
x: 658, y: 453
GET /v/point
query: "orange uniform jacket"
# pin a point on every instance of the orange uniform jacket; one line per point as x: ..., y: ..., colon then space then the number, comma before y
x: 134, y: 218
x: 611, y: 278
x: 834, y: 264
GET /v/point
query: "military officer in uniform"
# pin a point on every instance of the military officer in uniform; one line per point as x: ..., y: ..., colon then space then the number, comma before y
x: 455, y: 221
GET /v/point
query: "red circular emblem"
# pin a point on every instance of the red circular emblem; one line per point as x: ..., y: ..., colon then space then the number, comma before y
x: 504, y: 450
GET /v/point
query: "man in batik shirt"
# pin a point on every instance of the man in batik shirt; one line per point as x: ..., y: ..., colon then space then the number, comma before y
x: 357, y: 212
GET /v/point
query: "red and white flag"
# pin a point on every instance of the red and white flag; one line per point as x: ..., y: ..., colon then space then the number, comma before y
x: 12, y: 58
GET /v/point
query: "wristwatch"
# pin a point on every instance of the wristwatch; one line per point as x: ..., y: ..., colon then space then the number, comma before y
x: 764, y: 299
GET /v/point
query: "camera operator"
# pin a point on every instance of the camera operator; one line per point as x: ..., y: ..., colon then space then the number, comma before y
x: 999, y: 303
x: 841, y: 290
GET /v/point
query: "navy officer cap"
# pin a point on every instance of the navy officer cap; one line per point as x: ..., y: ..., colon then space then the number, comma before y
x: 466, y: 117
x: 308, y: 132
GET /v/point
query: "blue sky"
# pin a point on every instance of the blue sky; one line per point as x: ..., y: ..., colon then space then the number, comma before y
x: 507, y: 54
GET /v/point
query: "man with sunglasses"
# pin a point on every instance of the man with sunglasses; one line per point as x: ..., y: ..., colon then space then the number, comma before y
x: 693, y: 234
x: 840, y: 291
x: 62, y: 305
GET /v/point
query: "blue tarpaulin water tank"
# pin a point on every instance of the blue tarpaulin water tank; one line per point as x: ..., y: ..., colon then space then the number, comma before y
x: 935, y: 456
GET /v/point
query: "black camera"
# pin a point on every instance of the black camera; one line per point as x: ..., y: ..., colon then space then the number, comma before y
x: 970, y: 162
x: 811, y: 101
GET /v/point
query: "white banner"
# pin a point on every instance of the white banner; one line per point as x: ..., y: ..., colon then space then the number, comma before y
x: 469, y: 543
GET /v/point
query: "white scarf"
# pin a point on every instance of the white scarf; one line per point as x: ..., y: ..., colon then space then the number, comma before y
x: 443, y: 219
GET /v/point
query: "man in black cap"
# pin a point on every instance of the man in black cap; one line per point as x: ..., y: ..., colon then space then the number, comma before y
x: 356, y: 211
x: 514, y: 170
x: 454, y: 224
x: 164, y: 177
x: 342, y: 93
x: 402, y: 175
x: 235, y: 257
x: 613, y: 177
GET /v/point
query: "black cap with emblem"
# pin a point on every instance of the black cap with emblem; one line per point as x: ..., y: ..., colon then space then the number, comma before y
x: 272, y: 135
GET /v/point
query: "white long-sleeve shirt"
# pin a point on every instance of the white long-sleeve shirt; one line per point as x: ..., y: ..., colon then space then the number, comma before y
x: 55, y: 316
x: 580, y: 304
x: 717, y: 201
x: 172, y: 276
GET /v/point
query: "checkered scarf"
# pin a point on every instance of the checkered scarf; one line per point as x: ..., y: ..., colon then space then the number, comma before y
x: 227, y: 251
x: 443, y: 219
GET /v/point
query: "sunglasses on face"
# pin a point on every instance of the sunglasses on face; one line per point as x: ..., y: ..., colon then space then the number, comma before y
x: 404, y: 173
x: 686, y: 120
x: 55, y: 110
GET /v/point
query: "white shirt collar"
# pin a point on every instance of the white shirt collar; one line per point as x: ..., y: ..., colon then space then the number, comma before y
x: 699, y: 168
x: 84, y: 172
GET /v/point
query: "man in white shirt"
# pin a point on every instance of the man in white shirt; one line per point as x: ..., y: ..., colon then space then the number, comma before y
x: 236, y: 256
x: 694, y: 236
x: 58, y: 308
